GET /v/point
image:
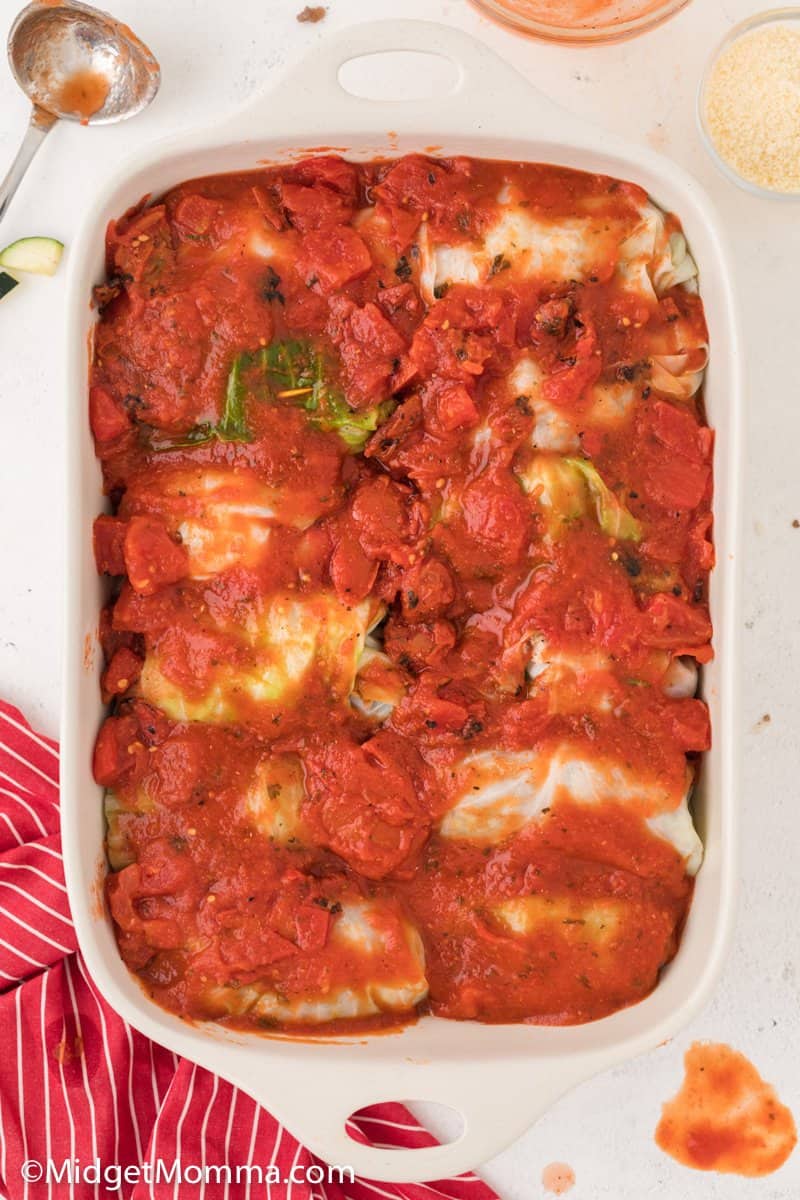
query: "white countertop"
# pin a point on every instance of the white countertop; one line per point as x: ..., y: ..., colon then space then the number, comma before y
x: 213, y: 56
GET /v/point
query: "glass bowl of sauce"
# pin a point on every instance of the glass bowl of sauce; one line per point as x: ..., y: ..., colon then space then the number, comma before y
x: 581, y: 22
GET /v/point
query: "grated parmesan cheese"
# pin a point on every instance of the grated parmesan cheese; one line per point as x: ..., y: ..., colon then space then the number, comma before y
x: 752, y: 107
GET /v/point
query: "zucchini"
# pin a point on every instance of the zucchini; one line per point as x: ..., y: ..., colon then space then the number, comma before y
x: 7, y: 283
x: 39, y: 255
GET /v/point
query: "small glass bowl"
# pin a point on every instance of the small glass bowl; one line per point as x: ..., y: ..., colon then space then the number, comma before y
x: 607, y: 28
x: 772, y: 16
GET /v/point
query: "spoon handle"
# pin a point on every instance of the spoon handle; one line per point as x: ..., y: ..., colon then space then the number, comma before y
x: 41, y: 123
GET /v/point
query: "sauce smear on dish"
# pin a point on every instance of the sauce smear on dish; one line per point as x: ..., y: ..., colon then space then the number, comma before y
x: 725, y: 1117
x: 84, y: 93
x: 408, y: 544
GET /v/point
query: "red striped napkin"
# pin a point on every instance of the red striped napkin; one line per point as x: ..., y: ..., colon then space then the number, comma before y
x: 77, y: 1083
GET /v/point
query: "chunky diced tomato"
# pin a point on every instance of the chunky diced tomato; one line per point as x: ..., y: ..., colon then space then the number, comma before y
x: 679, y: 430
x: 312, y: 924
x: 364, y: 802
x: 671, y: 623
x: 401, y: 304
x: 140, y: 219
x: 152, y: 559
x: 247, y: 945
x: 676, y: 451
x: 317, y: 207
x: 387, y: 517
x: 268, y: 208
x: 118, y: 751
x: 112, y: 639
x: 194, y: 215
x: 402, y: 428
x: 420, y: 645
x: 449, y: 352
x: 331, y: 171
x: 123, y: 889
x: 581, y: 368
x: 154, y: 726
x: 463, y: 332
x: 427, y: 590
x: 370, y: 349
x: 551, y: 317
x: 137, y: 613
x: 107, y: 417
x: 424, y: 185
x: 477, y: 310
x: 691, y: 726
x: 108, y: 535
x: 121, y: 673
x: 454, y: 408
x: 165, y: 867
x: 331, y: 258
x: 495, y: 511
x: 352, y: 572
x: 675, y: 482
x: 141, y: 247
x: 401, y: 224
x: 306, y: 310
x: 427, y: 714
x: 568, y: 607
x: 700, y: 547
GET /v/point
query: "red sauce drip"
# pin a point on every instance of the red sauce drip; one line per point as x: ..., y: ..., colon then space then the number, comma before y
x: 725, y: 1117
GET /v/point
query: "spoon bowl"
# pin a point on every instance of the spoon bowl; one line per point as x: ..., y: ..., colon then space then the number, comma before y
x: 74, y: 63
x: 80, y: 64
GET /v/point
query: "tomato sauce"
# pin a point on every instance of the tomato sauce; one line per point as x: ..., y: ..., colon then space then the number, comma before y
x: 725, y: 1117
x: 83, y: 94
x: 558, y: 1178
x: 408, y: 545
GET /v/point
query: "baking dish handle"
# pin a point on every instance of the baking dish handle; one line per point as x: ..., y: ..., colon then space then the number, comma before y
x: 311, y: 87
x: 495, y: 1112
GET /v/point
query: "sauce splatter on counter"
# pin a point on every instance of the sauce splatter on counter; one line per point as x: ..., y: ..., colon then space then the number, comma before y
x: 558, y: 1178
x: 312, y: 13
x: 725, y: 1117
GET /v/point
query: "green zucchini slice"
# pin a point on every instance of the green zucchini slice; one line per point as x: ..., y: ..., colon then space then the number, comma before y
x: 39, y: 255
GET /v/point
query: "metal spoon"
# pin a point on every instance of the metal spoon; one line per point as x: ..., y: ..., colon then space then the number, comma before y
x: 74, y: 63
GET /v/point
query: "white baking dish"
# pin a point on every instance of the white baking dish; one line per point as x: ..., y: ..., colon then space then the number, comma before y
x: 499, y: 1077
